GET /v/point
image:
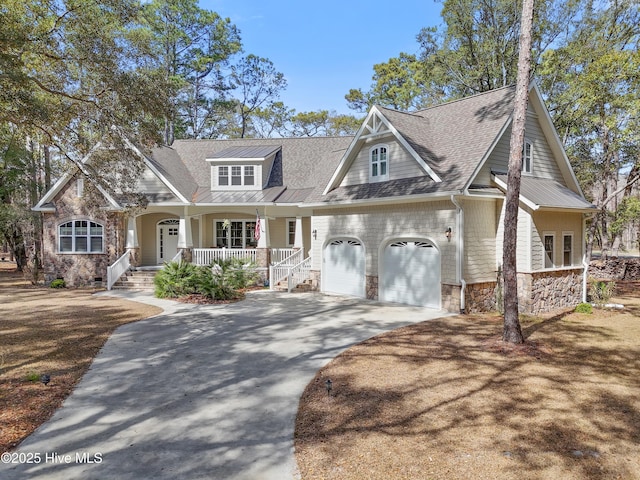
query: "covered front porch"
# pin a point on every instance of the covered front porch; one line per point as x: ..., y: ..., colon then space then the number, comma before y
x: 203, y: 236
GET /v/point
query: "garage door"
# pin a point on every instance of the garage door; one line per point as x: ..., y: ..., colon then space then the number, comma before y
x: 344, y: 267
x: 411, y: 274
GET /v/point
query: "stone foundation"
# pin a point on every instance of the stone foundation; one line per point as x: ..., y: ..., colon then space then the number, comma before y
x: 314, y: 275
x: 480, y: 297
x: 450, y: 295
x: 371, y: 287
x: 542, y: 292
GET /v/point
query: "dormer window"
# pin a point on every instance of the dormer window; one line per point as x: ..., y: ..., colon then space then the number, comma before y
x: 236, y: 175
x: 527, y: 157
x: 378, y: 163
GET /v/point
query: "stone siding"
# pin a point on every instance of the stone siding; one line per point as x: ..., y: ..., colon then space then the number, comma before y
x: 480, y: 297
x: 542, y: 292
x: 451, y: 298
x: 79, y: 269
x: 371, y: 287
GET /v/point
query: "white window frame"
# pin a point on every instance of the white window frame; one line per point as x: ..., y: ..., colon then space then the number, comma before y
x: 375, y: 166
x: 291, y: 232
x: 74, y: 235
x: 527, y: 160
x: 544, y: 249
x: 564, y: 264
x: 237, y: 176
x: 80, y: 186
x: 248, y: 232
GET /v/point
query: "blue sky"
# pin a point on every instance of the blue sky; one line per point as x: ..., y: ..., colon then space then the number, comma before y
x: 326, y: 48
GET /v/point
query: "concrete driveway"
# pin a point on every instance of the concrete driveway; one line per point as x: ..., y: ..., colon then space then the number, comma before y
x: 201, y: 391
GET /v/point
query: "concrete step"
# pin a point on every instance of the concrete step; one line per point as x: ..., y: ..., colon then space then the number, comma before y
x: 136, y: 280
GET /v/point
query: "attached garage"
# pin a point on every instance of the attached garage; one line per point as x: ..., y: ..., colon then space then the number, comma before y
x: 343, y: 267
x: 410, y: 274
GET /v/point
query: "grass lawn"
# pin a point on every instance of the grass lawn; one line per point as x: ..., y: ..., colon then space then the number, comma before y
x: 446, y: 399
x: 54, y: 332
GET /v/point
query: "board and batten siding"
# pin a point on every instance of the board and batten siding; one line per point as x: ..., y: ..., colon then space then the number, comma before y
x: 544, y: 163
x: 558, y: 224
x: 480, y: 225
x: 401, y: 163
x: 376, y: 225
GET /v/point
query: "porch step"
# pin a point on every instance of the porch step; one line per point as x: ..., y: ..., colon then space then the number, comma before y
x: 138, y: 280
x: 306, y: 286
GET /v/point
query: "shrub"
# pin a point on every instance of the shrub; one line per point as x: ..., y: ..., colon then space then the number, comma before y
x: 176, y: 279
x: 584, y: 308
x: 600, y: 291
x: 58, y: 283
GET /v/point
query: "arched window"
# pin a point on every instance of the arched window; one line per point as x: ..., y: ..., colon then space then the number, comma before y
x: 81, y: 236
x: 378, y: 163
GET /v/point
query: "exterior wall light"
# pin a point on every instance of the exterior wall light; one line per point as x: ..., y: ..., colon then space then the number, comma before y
x: 447, y: 233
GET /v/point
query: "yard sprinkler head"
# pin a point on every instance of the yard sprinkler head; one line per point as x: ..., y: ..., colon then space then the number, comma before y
x: 329, y: 385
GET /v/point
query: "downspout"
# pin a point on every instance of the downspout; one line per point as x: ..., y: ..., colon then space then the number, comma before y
x: 460, y: 251
x: 585, y: 263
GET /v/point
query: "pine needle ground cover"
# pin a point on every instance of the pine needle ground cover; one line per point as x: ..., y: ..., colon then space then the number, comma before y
x: 446, y: 399
x: 55, y: 332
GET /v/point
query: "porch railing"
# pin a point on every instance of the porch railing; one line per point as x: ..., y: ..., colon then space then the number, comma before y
x: 281, y: 270
x: 115, y: 271
x: 206, y: 256
x: 299, y: 273
x: 279, y: 254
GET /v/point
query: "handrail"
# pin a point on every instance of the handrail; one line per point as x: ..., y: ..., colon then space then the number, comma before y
x: 282, y: 269
x: 298, y: 273
x: 177, y: 257
x: 280, y: 254
x: 115, y: 271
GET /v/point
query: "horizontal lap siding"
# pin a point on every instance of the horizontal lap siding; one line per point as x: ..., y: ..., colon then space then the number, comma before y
x: 556, y: 223
x: 374, y: 225
x: 544, y: 164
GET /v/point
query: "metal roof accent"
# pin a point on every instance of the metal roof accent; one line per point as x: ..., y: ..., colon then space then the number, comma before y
x: 255, y: 152
x: 543, y: 193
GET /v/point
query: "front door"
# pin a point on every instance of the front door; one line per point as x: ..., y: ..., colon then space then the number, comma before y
x: 167, y: 235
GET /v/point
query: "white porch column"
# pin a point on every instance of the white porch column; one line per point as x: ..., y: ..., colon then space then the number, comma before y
x: 298, y: 241
x: 132, y: 233
x: 185, y: 239
x: 264, y: 241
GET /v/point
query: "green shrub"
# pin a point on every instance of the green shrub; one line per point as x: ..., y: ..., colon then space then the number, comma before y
x: 584, y: 308
x: 58, y: 283
x: 33, y: 377
x: 175, y: 280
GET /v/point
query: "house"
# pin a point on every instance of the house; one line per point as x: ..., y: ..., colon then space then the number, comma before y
x: 408, y: 210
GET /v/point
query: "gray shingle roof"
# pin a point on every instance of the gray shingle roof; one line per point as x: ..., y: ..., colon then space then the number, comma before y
x: 452, y: 138
x: 303, y: 165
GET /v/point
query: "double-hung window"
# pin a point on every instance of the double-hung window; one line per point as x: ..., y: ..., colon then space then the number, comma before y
x: 527, y: 157
x: 567, y: 249
x: 379, y: 163
x: 236, y: 175
x: 549, y: 247
x: 235, y: 234
x: 81, y: 236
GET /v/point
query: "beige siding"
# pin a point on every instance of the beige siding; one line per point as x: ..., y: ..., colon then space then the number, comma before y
x: 401, y: 163
x: 557, y: 224
x: 544, y: 164
x: 375, y: 226
x: 481, y: 223
x: 147, y: 233
x: 523, y: 251
x: 150, y: 183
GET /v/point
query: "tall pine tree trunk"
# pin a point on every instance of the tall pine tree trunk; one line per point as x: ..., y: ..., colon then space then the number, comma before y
x: 512, y: 331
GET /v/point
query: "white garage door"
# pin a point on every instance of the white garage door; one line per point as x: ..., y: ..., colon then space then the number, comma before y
x: 411, y: 274
x: 344, y: 268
